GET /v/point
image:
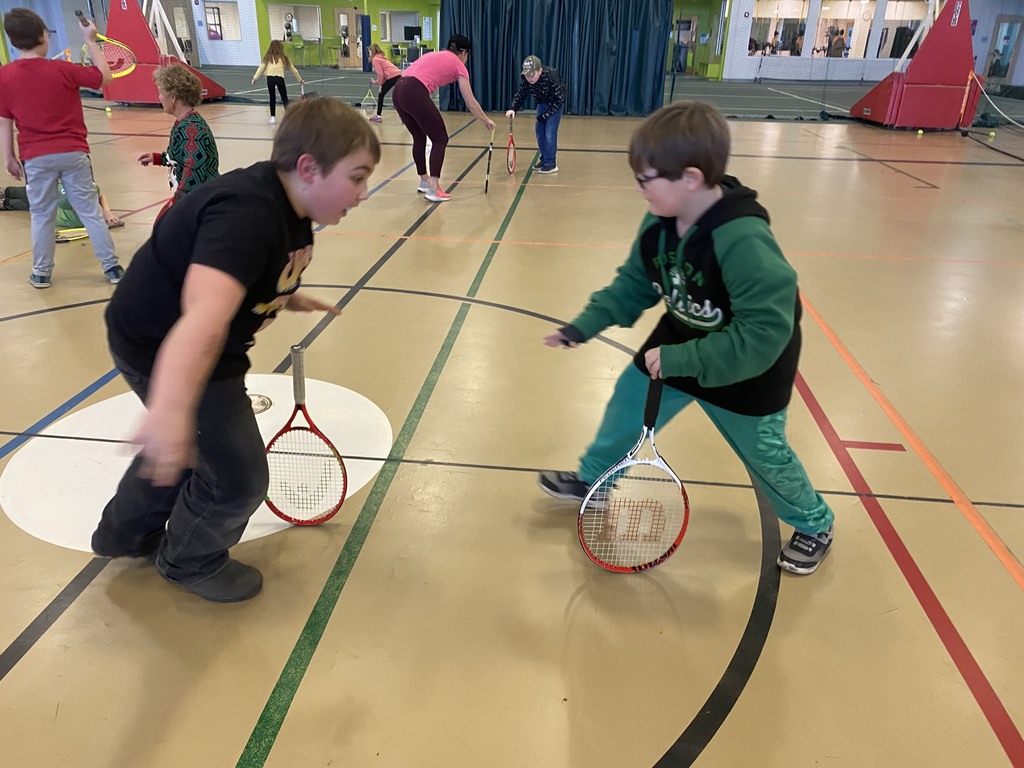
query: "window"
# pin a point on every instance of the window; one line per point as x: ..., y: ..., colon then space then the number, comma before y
x: 777, y: 28
x: 222, y: 21
x: 393, y: 24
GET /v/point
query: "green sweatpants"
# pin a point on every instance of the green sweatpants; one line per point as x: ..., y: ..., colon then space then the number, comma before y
x: 759, y: 441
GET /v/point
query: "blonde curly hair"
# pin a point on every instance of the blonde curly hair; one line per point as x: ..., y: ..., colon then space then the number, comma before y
x: 179, y: 83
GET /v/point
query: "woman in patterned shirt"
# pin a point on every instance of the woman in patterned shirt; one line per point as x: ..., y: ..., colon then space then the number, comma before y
x: 191, y: 156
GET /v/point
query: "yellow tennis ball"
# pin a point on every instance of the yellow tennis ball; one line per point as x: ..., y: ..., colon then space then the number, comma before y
x: 108, y: 109
x: 992, y: 135
x: 920, y: 131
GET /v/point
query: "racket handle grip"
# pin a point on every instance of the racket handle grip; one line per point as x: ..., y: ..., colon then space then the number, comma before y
x: 81, y: 19
x: 653, y: 402
x: 299, y: 374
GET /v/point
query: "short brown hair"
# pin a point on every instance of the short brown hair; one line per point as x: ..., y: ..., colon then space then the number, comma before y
x: 179, y: 83
x: 687, y: 134
x: 325, y: 128
x: 25, y: 28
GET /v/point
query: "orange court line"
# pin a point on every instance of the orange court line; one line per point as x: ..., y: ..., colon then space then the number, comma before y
x: 882, y: 257
x: 348, y: 233
x: 977, y: 521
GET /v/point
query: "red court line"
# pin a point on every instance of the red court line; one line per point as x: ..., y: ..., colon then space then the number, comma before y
x: 869, y: 446
x: 974, y: 517
x: 993, y: 709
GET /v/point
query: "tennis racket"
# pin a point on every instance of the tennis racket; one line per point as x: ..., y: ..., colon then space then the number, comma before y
x: 490, y: 151
x: 510, y: 153
x: 307, y: 474
x: 634, y: 517
x: 71, y: 234
x: 118, y: 55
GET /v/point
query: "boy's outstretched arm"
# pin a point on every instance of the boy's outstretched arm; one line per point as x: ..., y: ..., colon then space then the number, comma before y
x: 99, y: 61
x: 7, y: 147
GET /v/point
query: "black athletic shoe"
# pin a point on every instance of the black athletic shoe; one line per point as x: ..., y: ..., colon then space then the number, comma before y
x: 563, y: 485
x: 805, y: 551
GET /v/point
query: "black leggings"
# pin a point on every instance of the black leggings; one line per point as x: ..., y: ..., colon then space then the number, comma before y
x: 422, y: 119
x: 388, y: 85
x: 276, y: 82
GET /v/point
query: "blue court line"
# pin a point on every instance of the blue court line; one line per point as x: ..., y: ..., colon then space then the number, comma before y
x: 52, y: 416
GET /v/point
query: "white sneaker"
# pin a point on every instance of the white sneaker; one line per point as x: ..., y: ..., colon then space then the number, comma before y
x: 424, y: 187
x: 272, y: 120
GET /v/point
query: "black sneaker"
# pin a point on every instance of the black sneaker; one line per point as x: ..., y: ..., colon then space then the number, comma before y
x: 39, y: 281
x: 538, y: 165
x: 233, y: 583
x: 563, y: 485
x: 805, y: 551
x: 114, y: 274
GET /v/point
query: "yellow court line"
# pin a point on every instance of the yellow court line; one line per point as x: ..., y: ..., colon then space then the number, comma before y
x: 977, y: 521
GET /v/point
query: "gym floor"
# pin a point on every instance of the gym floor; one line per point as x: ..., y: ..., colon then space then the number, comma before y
x: 446, y: 616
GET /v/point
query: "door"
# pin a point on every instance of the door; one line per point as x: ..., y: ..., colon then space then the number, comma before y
x: 1005, y: 48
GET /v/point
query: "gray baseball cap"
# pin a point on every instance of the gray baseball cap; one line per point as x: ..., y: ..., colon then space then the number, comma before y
x: 531, y: 64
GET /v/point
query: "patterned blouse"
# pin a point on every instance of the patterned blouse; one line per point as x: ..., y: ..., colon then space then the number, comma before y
x: 191, y: 156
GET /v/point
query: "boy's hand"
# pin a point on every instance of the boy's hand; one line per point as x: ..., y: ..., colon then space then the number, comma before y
x: 168, y: 447
x: 559, y: 339
x: 89, y: 32
x: 301, y: 302
x: 14, y: 168
x: 511, y: 114
x: 652, y: 358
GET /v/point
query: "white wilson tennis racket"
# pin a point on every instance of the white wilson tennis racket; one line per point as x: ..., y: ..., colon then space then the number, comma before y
x: 308, y: 481
x: 635, y: 515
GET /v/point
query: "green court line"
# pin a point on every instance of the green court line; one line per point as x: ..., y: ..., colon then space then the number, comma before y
x: 267, y: 728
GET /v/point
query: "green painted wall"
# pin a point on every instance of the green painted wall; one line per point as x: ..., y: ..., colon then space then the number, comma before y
x: 704, y: 63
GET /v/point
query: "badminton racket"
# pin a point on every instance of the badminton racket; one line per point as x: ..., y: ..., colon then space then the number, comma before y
x: 118, y: 55
x: 510, y: 153
x: 307, y: 474
x: 635, y: 515
x: 490, y: 151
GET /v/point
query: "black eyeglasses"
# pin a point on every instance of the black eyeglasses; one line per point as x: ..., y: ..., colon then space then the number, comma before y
x: 642, y: 180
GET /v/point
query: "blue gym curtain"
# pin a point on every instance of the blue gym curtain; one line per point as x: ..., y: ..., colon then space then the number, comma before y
x: 611, y: 53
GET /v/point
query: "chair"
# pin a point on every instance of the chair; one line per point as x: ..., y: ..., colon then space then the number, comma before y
x: 298, y: 49
x: 396, y: 55
x: 412, y: 53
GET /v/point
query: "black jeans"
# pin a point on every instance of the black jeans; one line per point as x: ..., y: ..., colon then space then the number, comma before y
x: 276, y: 82
x: 194, y: 523
x: 387, y: 86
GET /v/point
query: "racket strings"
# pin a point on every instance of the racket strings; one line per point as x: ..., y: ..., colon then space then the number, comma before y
x: 307, y: 477
x: 119, y: 57
x: 634, y: 517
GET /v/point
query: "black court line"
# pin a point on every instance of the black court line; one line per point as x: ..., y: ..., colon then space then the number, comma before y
x: 702, y: 729
x: 533, y: 470
x: 886, y: 164
x: 24, y: 642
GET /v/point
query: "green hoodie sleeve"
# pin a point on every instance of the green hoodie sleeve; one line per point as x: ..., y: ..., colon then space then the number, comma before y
x: 762, y: 292
x: 622, y: 302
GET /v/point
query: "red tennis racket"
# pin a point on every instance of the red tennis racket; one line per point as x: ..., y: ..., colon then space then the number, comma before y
x: 307, y: 474
x: 510, y: 153
x: 635, y: 515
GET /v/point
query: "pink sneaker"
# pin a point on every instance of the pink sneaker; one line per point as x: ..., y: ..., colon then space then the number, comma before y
x: 376, y: 119
x: 438, y: 196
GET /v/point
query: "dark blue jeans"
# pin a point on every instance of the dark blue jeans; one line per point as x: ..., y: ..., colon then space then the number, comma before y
x: 192, y: 525
x: 547, y: 136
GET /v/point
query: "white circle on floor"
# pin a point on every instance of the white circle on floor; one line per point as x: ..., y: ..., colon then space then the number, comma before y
x: 55, y: 489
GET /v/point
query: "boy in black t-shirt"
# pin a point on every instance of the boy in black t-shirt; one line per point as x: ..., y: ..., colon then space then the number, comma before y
x: 730, y: 336
x: 218, y: 266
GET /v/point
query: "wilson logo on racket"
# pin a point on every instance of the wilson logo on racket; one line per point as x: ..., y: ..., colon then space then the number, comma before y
x: 308, y: 481
x: 635, y: 515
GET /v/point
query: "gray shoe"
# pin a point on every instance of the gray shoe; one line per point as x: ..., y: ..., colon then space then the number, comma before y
x: 563, y: 485
x: 805, y: 551
x: 233, y: 583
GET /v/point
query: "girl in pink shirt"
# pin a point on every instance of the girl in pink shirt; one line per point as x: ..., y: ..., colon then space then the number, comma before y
x: 386, y: 77
x: 422, y: 119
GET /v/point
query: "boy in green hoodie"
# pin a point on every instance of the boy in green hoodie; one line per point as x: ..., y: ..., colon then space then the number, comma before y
x: 730, y: 336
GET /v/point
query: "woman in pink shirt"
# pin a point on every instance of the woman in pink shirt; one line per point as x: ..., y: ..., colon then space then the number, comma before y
x: 386, y: 77
x: 412, y: 100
